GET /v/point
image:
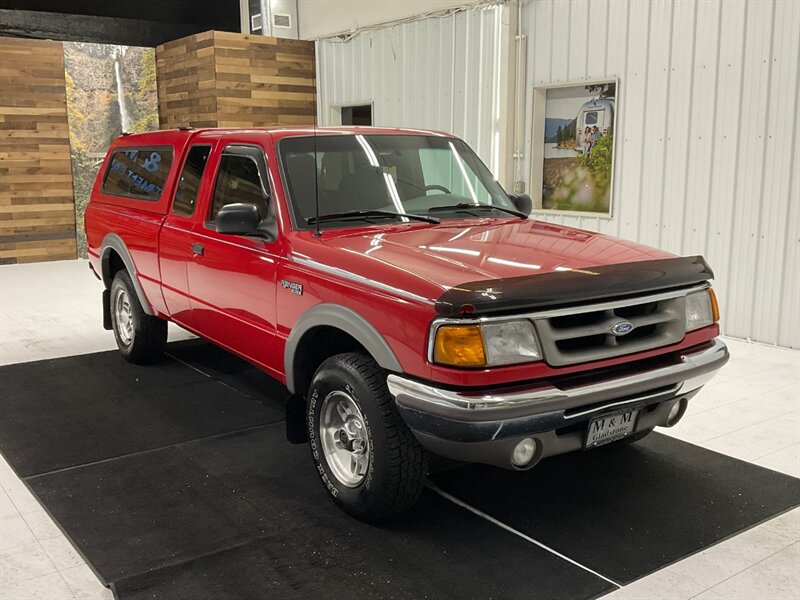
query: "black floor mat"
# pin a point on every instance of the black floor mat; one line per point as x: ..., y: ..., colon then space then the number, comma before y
x: 69, y: 411
x: 175, y: 481
x: 229, y: 369
x: 629, y: 510
x: 243, y: 516
x: 172, y: 483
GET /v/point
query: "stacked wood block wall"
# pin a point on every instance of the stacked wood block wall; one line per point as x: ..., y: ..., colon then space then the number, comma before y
x: 37, y: 210
x: 187, y: 95
x: 218, y: 79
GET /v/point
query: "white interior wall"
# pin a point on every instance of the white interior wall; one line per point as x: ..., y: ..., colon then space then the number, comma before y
x: 434, y: 74
x: 319, y: 18
x: 707, y: 155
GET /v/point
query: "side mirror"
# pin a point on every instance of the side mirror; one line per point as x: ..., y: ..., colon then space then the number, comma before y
x: 523, y: 202
x: 238, y: 219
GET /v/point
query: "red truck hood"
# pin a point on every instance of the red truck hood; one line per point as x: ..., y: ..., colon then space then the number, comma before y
x: 428, y: 261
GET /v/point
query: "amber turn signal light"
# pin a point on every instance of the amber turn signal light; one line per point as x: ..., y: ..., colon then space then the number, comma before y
x: 714, y: 304
x: 459, y: 345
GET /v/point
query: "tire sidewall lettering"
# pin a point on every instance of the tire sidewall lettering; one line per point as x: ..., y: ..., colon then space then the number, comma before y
x: 319, y: 459
x: 368, y: 480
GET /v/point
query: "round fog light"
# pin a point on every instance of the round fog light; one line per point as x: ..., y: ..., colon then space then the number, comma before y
x: 523, y: 452
x: 675, y: 413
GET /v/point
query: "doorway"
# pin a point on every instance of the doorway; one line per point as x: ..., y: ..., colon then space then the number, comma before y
x: 359, y: 115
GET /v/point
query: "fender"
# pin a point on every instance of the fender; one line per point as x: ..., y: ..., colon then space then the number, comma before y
x: 349, y: 321
x: 113, y: 242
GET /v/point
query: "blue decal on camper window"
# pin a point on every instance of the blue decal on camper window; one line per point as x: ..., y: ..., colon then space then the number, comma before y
x: 138, y: 173
x: 151, y: 164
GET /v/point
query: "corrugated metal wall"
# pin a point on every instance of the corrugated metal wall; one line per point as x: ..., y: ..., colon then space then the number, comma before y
x: 707, y: 159
x: 434, y: 74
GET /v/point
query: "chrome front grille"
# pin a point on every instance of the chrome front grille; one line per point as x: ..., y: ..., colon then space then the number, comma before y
x: 588, y: 333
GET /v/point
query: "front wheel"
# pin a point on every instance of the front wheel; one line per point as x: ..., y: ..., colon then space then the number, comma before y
x: 368, y: 460
x: 141, y: 338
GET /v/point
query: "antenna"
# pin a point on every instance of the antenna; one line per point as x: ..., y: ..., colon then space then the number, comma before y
x: 318, y: 231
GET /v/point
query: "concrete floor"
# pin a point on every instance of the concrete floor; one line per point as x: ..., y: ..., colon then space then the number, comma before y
x: 751, y: 410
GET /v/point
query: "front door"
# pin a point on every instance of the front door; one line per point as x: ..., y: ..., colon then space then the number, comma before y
x: 232, y: 277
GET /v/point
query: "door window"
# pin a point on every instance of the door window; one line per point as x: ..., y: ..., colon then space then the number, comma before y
x: 238, y: 180
x: 189, y: 183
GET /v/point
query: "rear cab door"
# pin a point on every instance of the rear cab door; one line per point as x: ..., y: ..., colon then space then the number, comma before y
x: 232, y: 278
x: 175, y: 248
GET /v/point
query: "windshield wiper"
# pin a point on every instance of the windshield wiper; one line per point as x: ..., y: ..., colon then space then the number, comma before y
x: 366, y: 214
x: 467, y: 206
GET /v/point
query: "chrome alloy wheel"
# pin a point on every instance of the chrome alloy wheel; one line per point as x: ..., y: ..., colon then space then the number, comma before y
x: 123, y: 317
x: 344, y: 438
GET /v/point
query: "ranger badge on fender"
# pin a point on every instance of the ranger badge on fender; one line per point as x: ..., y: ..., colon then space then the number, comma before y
x: 295, y: 288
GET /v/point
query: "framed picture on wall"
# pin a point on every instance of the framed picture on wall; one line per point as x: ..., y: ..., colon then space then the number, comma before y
x: 573, y: 147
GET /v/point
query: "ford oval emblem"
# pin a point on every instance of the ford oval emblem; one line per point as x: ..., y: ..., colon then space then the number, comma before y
x: 622, y: 328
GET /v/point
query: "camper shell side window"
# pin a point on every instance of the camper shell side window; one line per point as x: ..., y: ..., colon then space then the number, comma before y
x: 138, y: 173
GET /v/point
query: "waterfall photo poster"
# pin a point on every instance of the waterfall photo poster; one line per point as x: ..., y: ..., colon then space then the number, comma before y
x: 110, y: 89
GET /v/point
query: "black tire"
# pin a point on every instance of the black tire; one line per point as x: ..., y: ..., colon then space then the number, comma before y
x: 144, y: 340
x: 394, y: 478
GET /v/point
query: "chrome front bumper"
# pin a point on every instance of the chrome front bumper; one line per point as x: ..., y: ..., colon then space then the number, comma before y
x: 457, y: 423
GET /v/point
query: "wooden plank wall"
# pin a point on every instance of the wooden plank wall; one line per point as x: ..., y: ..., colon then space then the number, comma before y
x: 185, y: 76
x: 219, y: 79
x: 263, y: 81
x: 37, y: 210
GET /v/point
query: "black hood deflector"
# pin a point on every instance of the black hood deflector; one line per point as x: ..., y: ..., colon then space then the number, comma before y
x: 563, y: 288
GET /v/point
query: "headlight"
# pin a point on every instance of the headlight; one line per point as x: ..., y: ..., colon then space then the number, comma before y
x: 489, y: 344
x: 701, y: 309
x: 510, y: 342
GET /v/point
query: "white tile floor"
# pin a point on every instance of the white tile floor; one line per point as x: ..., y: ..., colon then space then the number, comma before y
x: 751, y: 410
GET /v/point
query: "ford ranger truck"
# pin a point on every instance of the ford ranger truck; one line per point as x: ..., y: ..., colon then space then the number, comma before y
x: 409, y: 304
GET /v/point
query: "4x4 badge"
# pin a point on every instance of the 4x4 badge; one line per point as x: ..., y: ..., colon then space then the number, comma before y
x: 295, y: 288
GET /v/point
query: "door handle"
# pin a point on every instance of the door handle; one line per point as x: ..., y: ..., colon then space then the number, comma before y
x: 198, y: 249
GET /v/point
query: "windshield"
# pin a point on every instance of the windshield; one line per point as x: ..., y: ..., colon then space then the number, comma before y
x: 410, y: 174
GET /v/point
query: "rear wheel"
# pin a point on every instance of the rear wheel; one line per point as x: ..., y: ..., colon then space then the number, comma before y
x: 141, y: 338
x: 368, y: 460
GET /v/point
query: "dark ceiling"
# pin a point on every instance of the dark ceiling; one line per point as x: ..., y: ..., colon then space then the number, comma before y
x: 132, y: 22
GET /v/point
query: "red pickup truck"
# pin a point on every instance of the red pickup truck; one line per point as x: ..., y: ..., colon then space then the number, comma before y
x: 409, y: 304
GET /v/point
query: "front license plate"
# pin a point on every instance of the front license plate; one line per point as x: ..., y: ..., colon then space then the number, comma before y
x: 609, y: 428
